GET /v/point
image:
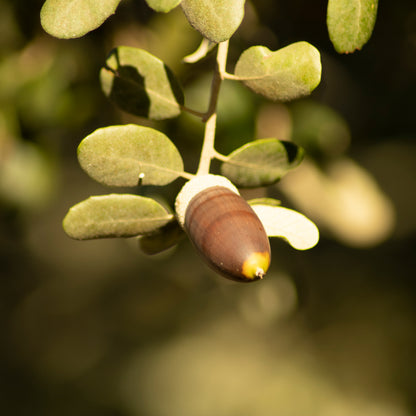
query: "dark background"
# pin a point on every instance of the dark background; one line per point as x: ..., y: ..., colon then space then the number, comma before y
x: 98, y: 328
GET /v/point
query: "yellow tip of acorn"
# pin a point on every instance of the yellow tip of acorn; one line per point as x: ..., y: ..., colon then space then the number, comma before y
x: 256, y: 266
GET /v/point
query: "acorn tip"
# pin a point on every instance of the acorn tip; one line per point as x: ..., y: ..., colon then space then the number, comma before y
x: 260, y: 273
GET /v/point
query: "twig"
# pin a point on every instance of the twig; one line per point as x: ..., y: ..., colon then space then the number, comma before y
x: 208, y: 152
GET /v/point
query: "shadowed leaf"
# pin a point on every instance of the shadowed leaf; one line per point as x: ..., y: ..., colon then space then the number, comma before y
x: 286, y: 74
x: 141, y: 84
x: 114, y: 215
x: 162, y: 239
x: 72, y: 19
x: 130, y: 155
x: 350, y: 23
x: 261, y: 162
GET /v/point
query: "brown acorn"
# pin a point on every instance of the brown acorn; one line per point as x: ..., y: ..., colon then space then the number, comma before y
x: 224, y: 228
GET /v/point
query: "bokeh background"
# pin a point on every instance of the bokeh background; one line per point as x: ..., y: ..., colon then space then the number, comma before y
x: 99, y: 328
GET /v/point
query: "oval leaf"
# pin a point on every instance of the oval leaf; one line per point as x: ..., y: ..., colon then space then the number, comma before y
x: 286, y: 74
x: 261, y: 162
x: 130, y: 155
x: 27, y: 176
x: 72, y: 19
x: 162, y: 239
x: 319, y: 129
x: 216, y: 20
x: 162, y: 5
x: 350, y: 23
x: 141, y: 84
x: 114, y: 215
x: 345, y: 199
x: 300, y: 232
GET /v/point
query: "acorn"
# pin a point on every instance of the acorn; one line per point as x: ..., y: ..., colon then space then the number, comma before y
x: 223, y: 228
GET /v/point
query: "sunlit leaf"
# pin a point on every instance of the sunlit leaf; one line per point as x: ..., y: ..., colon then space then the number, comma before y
x: 114, y: 215
x: 286, y: 74
x: 130, y: 155
x: 162, y: 239
x: 261, y: 162
x: 72, y: 19
x: 350, y: 23
x: 163, y: 5
x: 300, y: 232
x: 344, y: 199
x: 141, y: 84
x: 216, y: 20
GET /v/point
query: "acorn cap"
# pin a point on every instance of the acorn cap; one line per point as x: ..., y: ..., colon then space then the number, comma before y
x: 193, y: 187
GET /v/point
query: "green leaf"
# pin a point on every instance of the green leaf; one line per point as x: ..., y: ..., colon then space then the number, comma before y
x: 141, y: 84
x: 350, y: 23
x: 216, y: 20
x: 286, y: 74
x: 74, y: 18
x: 130, y: 155
x: 300, y: 232
x: 114, y: 215
x: 162, y: 239
x: 162, y: 5
x: 27, y: 176
x: 320, y: 130
x: 265, y: 201
x: 261, y: 162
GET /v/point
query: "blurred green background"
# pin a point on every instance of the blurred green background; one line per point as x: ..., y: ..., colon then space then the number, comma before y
x: 98, y: 328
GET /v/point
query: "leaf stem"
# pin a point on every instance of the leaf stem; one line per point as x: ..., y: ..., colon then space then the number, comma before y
x: 233, y: 77
x: 221, y: 157
x: 208, y: 151
x: 193, y: 112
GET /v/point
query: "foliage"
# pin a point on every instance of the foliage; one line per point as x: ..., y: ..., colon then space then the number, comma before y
x: 350, y: 23
x: 115, y: 215
x: 261, y: 162
x: 130, y: 155
x: 216, y: 20
x: 98, y: 328
x: 286, y: 74
x: 73, y: 19
x: 143, y: 85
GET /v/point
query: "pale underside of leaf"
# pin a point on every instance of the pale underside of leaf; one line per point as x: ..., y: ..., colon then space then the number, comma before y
x: 74, y: 18
x: 300, y: 232
x: 201, y: 52
x: 115, y: 215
